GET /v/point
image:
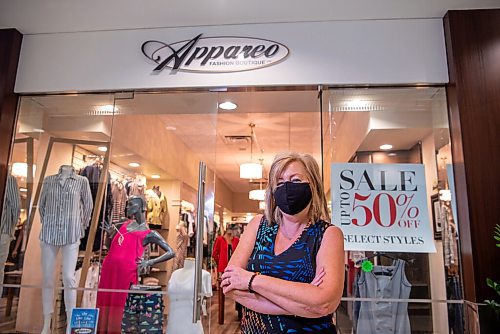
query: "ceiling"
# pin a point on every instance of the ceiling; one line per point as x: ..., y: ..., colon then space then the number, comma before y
x: 52, y: 16
x: 284, y: 120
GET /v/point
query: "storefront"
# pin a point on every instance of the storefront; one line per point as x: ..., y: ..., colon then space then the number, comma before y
x: 134, y: 112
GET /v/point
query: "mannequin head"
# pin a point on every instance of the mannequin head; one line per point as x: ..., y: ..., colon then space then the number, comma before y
x: 136, y: 206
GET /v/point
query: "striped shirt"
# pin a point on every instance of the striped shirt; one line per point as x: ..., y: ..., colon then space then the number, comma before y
x: 11, y: 207
x: 65, y: 208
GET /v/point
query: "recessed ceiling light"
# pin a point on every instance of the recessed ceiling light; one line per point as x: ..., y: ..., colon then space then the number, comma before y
x: 386, y: 147
x: 155, y: 176
x: 134, y: 164
x: 102, y: 148
x: 107, y: 108
x: 228, y: 105
x: 357, y: 103
x: 392, y: 154
x: 170, y: 128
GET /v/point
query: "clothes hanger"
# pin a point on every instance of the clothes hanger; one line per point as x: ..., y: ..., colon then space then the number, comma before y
x: 378, y: 255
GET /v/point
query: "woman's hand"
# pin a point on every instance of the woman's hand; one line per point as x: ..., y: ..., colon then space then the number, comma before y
x: 318, y: 279
x: 235, y: 278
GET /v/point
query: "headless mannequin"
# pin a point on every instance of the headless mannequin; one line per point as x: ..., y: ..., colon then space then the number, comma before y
x: 70, y: 256
x: 180, y: 291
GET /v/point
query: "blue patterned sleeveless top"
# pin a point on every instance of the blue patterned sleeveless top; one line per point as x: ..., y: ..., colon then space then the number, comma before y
x: 298, y: 264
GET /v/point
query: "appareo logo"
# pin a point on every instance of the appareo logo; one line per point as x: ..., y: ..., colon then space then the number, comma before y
x: 215, y: 54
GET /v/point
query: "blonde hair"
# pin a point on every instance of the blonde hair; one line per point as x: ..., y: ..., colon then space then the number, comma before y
x: 318, y: 208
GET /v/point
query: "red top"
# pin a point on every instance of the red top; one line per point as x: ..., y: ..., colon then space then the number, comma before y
x: 220, y: 254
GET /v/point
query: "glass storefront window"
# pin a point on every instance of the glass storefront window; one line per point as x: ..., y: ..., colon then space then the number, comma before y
x: 386, y: 129
x: 150, y: 145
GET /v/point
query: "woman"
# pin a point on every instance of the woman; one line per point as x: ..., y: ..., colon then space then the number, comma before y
x: 223, y: 250
x: 224, y: 247
x: 288, y: 270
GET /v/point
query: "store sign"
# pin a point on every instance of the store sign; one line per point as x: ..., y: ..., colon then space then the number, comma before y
x: 215, y: 54
x: 381, y: 207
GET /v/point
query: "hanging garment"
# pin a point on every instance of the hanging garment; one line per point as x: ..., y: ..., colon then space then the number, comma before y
x: 298, y: 264
x: 136, y: 189
x: 11, y: 207
x: 93, y: 175
x: 157, y: 209
x: 221, y: 253
x: 384, y: 317
x: 143, y: 314
x: 455, y: 311
x: 449, y: 232
x: 10, y: 215
x: 119, y: 271
x: 89, y: 298
x: 119, y: 194
x: 181, y: 243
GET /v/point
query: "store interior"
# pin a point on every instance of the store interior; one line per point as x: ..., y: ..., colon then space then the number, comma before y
x: 152, y: 142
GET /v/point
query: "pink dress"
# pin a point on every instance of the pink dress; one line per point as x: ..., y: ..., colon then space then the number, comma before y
x: 119, y: 270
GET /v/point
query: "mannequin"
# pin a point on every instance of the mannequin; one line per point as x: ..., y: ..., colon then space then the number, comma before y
x: 180, y: 292
x: 123, y: 262
x: 10, y: 216
x: 65, y: 210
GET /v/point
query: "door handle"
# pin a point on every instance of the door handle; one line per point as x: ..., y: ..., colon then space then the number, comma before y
x: 198, y: 295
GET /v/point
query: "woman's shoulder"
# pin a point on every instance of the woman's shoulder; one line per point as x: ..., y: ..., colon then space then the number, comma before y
x: 256, y: 221
x: 321, y: 225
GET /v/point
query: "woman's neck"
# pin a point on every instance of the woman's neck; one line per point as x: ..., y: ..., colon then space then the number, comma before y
x: 297, y: 219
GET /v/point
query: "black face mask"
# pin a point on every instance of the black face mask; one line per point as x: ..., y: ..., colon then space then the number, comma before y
x: 292, y: 197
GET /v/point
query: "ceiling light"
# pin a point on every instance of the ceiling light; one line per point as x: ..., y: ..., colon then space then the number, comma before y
x: 102, y: 148
x: 106, y: 108
x: 386, y: 147
x: 257, y: 194
x: 155, y: 176
x: 228, y: 105
x: 134, y: 164
x: 251, y: 170
x: 392, y: 154
x: 170, y: 128
x: 20, y: 169
x: 357, y: 104
x: 38, y: 130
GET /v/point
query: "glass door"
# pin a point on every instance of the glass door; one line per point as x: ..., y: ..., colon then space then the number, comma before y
x: 165, y: 144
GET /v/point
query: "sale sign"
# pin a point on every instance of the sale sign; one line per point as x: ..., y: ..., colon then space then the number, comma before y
x: 382, y: 207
